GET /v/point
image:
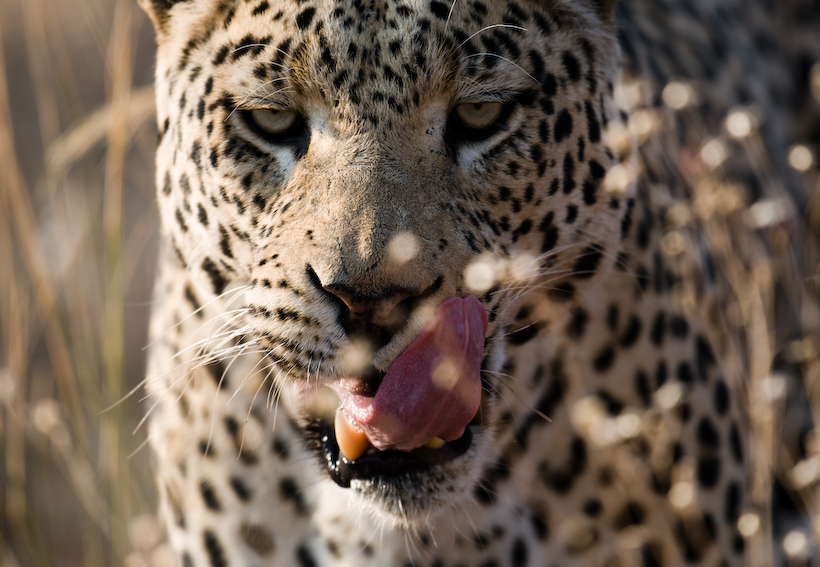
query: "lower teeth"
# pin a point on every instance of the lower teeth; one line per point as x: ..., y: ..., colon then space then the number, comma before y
x: 435, y: 443
x: 353, y: 442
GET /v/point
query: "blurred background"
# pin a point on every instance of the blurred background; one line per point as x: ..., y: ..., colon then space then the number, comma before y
x: 77, y: 244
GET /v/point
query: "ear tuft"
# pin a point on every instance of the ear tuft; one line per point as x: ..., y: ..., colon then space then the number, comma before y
x: 158, y: 10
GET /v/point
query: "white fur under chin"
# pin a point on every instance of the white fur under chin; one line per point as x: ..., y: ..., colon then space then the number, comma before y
x: 396, y: 527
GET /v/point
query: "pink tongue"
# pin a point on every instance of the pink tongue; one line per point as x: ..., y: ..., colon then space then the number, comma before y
x: 433, y: 389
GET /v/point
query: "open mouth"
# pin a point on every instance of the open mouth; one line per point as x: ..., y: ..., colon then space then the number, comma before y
x: 383, y: 466
x: 420, y: 412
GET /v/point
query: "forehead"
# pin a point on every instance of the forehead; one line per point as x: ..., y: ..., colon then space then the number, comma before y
x: 378, y: 19
x: 325, y: 43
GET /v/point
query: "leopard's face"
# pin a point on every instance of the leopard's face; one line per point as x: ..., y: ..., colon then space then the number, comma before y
x: 354, y: 165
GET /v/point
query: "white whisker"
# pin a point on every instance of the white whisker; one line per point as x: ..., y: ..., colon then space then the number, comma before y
x: 485, y: 28
x: 513, y: 63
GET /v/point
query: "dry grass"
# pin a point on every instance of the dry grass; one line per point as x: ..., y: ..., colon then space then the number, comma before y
x: 76, y: 238
x: 77, y: 231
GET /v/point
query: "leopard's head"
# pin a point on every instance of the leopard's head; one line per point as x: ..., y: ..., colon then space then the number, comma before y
x: 391, y: 181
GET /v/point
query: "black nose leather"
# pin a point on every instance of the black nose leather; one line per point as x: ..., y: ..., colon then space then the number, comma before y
x: 373, y: 315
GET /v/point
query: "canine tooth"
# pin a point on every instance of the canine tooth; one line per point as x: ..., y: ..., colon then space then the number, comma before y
x: 435, y: 443
x: 352, y: 441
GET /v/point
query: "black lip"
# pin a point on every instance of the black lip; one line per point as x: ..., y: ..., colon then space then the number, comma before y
x: 384, y: 466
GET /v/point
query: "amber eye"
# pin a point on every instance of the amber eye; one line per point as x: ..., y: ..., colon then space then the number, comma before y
x: 277, y: 126
x: 479, y: 116
x: 475, y: 121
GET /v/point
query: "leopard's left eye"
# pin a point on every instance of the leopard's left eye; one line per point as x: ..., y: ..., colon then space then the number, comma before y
x: 476, y: 120
x: 278, y: 126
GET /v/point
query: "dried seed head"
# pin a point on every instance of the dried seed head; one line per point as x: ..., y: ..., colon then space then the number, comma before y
x: 740, y: 123
x: 714, y: 153
x: 481, y: 274
x: 795, y: 544
x: 677, y: 95
x: 403, y: 247
x: 748, y: 524
x: 801, y: 158
x: 682, y: 494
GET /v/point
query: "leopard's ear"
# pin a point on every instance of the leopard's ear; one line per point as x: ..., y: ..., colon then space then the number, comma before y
x: 158, y: 10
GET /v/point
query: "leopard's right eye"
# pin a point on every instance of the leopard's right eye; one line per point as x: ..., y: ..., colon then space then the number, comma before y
x: 275, y: 125
x: 479, y: 117
x: 473, y: 122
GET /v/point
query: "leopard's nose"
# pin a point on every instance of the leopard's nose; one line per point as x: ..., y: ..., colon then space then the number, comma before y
x: 374, y: 313
x: 386, y: 311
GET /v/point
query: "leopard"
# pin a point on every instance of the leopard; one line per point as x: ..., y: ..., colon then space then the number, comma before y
x: 474, y: 283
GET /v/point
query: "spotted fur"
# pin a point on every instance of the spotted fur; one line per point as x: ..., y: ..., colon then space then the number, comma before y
x: 612, y: 375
